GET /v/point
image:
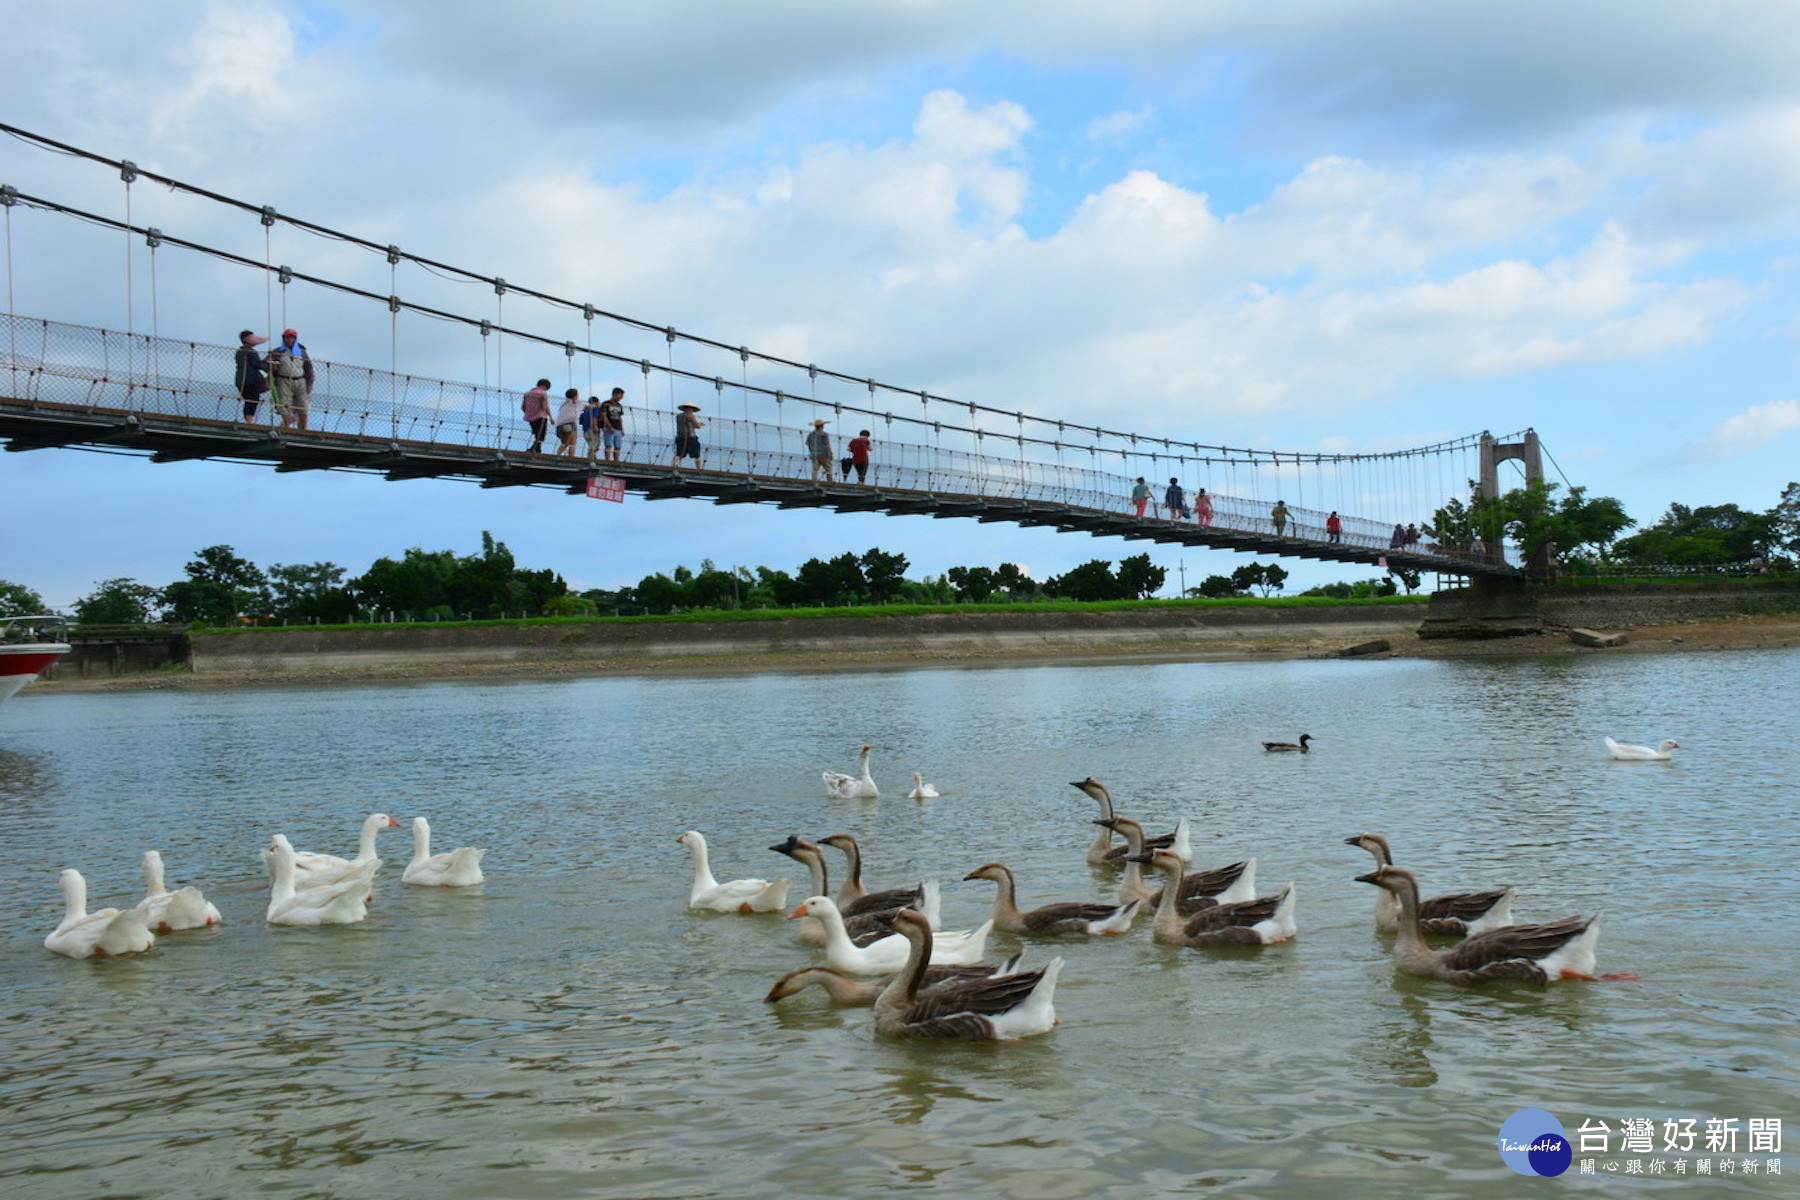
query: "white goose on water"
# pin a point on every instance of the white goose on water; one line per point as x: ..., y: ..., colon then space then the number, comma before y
x: 1626, y: 752
x: 332, y: 902
x: 166, y: 911
x: 920, y: 789
x: 888, y: 955
x: 84, y: 934
x: 460, y: 867
x: 840, y: 786
x: 312, y: 869
x: 734, y: 895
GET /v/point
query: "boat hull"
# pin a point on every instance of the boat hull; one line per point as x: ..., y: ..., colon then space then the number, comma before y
x: 23, y: 662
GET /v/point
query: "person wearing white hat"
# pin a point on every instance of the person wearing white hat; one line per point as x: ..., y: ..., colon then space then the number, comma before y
x: 687, y: 434
x: 818, y: 450
x: 250, y: 377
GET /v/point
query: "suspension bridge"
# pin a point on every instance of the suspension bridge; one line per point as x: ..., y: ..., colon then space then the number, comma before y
x: 129, y: 390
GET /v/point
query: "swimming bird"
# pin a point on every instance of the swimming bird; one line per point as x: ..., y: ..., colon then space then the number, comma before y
x: 1625, y: 752
x: 853, y: 897
x: 1259, y: 922
x: 889, y: 954
x: 99, y: 934
x: 735, y: 895
x: 920, y: 789
x: 1101, y: 852
x: 990, y: 1008
x: 1069, y: 917
x: 864, y: 926
x: 1539, y: 954
x: 845, y: 990
x: 312, y: 869
x: 341, y: 901
x: 839, y: 786
x: 166, y: 911
x: 1458, y: 913
x: 1200, y: 889
x: 460, y: 867
x: 1299, y: 746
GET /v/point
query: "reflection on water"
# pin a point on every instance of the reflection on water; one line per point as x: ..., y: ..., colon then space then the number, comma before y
x: 567, y: 1029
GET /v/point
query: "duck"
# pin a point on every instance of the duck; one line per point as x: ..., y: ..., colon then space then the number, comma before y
x: 845, y: 990
x: 1536, y: 954
x: 166, y: 911
x: 341, y: 901
x: 852, y: 897
x: 920, y: 789
x: 1626, y: 752
x: 102, y: 934
x: 888, y: 955
x: 1101, y: 852
x: 863, y: 927
x: 460, y: 867
x: 1260, y: 922
x: 312, y: 869
x: 1069, y: 917
x: 839, y: 786
x: 1290, y: 747
x: 735, y: 895
x: 1457, y: 914
x: 1202, y: 889
x: 989, y: 1008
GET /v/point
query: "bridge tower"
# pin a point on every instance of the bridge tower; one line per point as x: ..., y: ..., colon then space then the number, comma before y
x: 1495, y: 452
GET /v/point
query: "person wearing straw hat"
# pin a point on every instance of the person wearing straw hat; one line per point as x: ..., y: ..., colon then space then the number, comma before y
x: 818, y: 450
x: 250, y: 377
x: 687, y: 434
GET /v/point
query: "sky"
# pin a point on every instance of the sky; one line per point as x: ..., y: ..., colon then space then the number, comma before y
x: 1334, y: 226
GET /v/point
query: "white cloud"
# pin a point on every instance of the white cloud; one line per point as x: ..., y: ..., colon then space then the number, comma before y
x: 1749, y: 430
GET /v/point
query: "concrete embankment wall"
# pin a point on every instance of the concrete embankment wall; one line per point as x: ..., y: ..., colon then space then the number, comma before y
x: 1507, y: 610
x: 924, y: 636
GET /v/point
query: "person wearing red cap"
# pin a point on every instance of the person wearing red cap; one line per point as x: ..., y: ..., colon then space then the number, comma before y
x: 250, y: 378
x: 292, y: 369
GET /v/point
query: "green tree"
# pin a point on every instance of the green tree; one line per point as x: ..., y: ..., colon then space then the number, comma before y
x: 311, y: 592
x: 417, y: 581
x: 1093, y: 580
x: 220, y: 587
x: 1217, y: 587
x: 1011, y: 578
x: 1784, y: 520
x: 1546, y: 528
x: 974, y: 585
x: 882, y: 573
x: 18, y: 600
x: 1138, y: 579
x: 1715, y: 534
x: 118, y: 602
x: 1408, y: 578
x: 1246, y: 577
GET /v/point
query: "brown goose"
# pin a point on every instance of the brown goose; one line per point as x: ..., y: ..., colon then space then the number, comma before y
x: 1289, y: 747
x: 852, y: 896
x: 1456, y: 914
x: 987, y: 1009
x: 1257, y: 922
x: 1539, y: 954
x: 845, y: 990
x: 1103, y: 853
x: 1202, y: 889
x: 864, y: 927
x: 1095, y: 920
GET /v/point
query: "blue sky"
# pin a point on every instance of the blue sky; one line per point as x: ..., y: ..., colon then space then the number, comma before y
x: 1350, y: 225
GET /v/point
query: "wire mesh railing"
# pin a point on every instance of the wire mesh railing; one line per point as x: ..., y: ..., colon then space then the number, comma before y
x: 96, y: 370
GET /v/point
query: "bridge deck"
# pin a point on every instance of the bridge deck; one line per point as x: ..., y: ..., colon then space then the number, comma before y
x: 40, y: 424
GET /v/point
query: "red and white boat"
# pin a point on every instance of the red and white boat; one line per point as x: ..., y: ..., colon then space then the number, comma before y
x: 24, y: 652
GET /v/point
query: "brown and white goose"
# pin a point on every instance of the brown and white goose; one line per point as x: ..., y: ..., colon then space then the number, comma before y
x: 1258, y: 922
x: 845, y: 990
x: 1201, y: 889
x: 1069, y: 917
x: 1103, y: 853
x: 991, y: 1008
x: 1456, y: 914
x: 1539, y: 954
x: 863, y: 927
x: 853, y: 897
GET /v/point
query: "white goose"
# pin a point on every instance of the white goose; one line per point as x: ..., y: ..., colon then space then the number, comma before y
x: 336, y: 902
x: 920, y: 789
x: 888, y: 955
x: 840, y: 786
x: 734, y: 895
x: 312, y: 869
x: 1626, y: 752
x: 460, y: 867
x: 84, y: 934
x: 166, y: 911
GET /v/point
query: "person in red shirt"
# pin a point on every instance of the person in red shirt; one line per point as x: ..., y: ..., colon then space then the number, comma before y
x: 859, y: 457
x: 1334, y: 528
x: 536, y: 407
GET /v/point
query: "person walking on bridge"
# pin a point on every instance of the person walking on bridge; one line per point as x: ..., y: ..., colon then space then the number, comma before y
x: 250, y: 378
x: 536, y: 407
x: 612, y: 425
x: 1203, y: 511
x: 292, y: 369
x: 1279, y: 517
x: 818, y: 451
x: 568, y: 416
x: 1140, y: 495
x: 1334, y: 527
x: 860, y: 445
x: 1175, y: 500
x: 687, y: 434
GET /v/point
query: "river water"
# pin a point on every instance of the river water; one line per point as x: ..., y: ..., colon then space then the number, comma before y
x: 568, y: 1029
